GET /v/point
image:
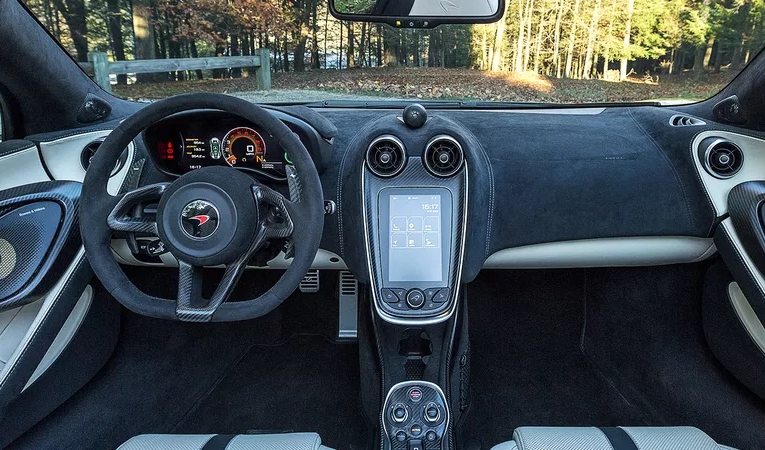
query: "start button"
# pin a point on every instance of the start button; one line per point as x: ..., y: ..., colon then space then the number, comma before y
x: 415, y: 394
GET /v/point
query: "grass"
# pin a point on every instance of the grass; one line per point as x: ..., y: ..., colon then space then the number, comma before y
x: 437, y: 83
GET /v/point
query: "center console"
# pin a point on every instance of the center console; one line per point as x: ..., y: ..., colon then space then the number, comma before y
x: 415, y: 416
x: 414, y: 183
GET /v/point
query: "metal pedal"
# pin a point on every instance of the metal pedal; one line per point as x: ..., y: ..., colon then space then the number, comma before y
x: 310, y: 282
x: 348, y: 296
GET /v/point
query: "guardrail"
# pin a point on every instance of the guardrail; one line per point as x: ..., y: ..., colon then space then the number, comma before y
x: 99, y: 67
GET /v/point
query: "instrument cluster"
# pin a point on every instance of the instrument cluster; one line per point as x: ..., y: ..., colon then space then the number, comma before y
x: 186, y: 142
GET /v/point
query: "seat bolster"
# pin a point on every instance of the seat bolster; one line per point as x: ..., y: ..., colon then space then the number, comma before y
x: 560, y: 438
x: 509, y: 445
x: 674, y: 438
x: 166, y: 442
x: 286, y: 441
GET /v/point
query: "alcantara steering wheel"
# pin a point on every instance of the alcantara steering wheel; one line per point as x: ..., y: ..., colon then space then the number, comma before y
x: 208, y: 217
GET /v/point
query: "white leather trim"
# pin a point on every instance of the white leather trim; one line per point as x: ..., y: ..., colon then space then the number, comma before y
x: 607, y: 252
x: 746, y: 315
x: 62, y: 158
x: 65, y: 335
x: 509, y: 445
x: 14, y: 325
x: 324, y: 260
x: 47, y: 304
x: 727, y: 225
x: 753, y: 168
x: 20, y: 168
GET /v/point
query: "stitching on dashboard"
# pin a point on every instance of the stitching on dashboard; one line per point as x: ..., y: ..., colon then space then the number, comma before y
x: 664, y: 156
x: 73, y: 134
x: 491, y: 199
x: 42, y: 322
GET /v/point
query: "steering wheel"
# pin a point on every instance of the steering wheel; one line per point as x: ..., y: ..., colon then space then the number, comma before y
x: 208, y: 217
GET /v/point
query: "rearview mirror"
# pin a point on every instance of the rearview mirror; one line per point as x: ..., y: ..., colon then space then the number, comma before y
x: 418, y: 13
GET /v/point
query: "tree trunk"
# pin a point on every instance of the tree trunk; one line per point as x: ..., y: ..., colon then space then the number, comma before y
x: 698, y: 61
x: 627, y: 31
x: 556, y: 39
x: 351, y: 47
x: 708, y: 52
x: 572, y: 39
x: 719, y: 57
x: 114, y: 20
x: 499, y: 38
x: 195, y: 54
x: 607, y: 45
x: 591, y: 34
x: 538, y: 48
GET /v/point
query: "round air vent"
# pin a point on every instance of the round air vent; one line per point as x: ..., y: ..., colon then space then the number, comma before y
x: 90, y: 151
x: 443, y: 156
x: 723, y: 158
x: 386, y: 156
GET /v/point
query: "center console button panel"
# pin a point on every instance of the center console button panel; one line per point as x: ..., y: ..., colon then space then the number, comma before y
x: 416, y: 416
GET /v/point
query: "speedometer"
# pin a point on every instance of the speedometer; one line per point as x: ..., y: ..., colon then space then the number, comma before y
x: 244, y: 146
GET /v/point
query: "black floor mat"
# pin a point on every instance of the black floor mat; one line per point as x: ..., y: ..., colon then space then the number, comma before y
x: 526, y: 365
x: 306, y: 384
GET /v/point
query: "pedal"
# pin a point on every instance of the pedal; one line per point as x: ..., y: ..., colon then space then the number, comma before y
x: 310, y: 282
x: 348, y: 297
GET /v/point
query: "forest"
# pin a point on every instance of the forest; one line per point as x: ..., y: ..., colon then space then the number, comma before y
x: 576, y: 39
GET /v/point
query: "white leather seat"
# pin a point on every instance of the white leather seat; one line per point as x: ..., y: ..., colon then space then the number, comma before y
x: 621, y: 438
x: 291, y: 441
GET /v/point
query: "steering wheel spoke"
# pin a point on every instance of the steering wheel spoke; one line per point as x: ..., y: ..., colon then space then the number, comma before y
x: 277, y: 210
x: 120, y: 219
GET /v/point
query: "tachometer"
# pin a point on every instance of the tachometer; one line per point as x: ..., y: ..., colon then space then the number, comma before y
x: 244, y: 146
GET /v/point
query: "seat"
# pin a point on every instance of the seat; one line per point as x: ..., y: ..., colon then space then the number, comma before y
x: 621, y: 438
x: 291, y: 441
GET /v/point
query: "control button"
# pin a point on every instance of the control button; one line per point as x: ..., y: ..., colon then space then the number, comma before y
x: 399, y: 413
x: 400, y: 293
x: 401, y: 436
x: 389, y: 296
x: 415, y: 394
x: 415, y: 299
x: 429, y: 293
x: 415, y: 444
x: 415, y: 430
x: 441, y: 296
x: 431, y: 436
x: 156, y: 248
x: 432, y: 413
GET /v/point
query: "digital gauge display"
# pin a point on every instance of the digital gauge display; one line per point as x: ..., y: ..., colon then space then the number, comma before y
x: 242, y: 146
x: 180, y: 145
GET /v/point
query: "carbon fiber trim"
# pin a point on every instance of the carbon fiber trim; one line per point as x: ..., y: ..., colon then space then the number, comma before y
x: 66, y: 242
x: 415, y: 175
x: 744, y: 203
x: 188, y: 305
x: 399, y: 395
x: 118, y: 219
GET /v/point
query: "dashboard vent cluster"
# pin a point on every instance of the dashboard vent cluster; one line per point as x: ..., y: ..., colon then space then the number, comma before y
x: 386, y: 156
x: 90, y: 151
x: 685, y: 121
x: 443, y: 156
x: 722, y: 158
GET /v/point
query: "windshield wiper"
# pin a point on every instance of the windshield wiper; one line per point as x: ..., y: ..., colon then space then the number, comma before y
x: 457, y: 104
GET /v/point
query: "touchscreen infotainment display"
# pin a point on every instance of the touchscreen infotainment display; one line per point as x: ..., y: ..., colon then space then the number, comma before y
x: 414, y: 228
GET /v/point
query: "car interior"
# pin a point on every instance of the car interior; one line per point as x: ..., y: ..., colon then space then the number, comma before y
x: 402, y: 276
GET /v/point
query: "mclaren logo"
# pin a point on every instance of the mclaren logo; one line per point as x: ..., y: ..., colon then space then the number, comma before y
x: 199, y: 219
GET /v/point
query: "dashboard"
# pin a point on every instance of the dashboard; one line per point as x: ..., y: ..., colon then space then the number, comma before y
x: 189, y: 141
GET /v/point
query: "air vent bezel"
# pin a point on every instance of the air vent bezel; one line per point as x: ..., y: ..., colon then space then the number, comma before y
x: 402, y: 149
x: 429, y: 146
x: 119, y: 165
x: 694, y: 121
x: 708, y: 152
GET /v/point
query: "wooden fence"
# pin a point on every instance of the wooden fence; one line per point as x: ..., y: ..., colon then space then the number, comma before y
x: 99, y: 67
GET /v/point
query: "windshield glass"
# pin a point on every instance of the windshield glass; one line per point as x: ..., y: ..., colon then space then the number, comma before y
x: 551, y: 51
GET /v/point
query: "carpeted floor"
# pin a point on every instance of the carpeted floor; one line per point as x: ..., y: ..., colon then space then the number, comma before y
x: 598, y: 347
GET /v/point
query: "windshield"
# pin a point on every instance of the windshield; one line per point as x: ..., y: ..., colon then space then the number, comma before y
x: 271, y: 51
